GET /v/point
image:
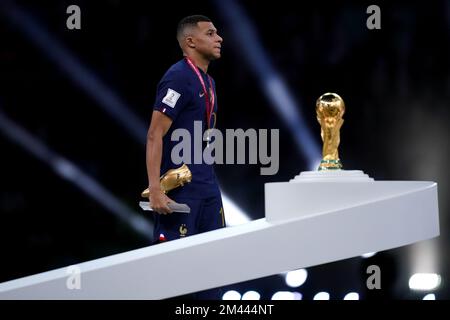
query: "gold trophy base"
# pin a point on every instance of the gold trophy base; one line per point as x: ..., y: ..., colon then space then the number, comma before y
x: 330, y: 165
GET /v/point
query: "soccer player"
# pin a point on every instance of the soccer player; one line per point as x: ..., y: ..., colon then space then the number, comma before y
x: 185, y: 94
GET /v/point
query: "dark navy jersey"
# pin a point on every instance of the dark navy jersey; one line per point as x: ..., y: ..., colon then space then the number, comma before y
x: 181, y: 97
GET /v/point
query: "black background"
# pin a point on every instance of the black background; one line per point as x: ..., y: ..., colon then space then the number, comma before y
x: 395, y: 82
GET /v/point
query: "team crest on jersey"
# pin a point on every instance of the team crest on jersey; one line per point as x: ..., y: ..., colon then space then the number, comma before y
x: 171, y: 98
x: 183, y: 230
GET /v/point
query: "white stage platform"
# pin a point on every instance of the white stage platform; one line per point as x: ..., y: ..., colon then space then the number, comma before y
x: 314, y: 219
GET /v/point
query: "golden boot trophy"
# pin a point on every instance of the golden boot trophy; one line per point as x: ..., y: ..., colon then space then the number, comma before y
x: 330, y: 108
x: 170, y: 180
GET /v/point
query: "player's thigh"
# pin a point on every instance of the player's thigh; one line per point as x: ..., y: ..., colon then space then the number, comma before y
x: 212, y: 215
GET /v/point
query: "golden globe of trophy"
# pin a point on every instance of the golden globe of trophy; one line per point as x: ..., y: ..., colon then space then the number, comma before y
x: 330, y: 108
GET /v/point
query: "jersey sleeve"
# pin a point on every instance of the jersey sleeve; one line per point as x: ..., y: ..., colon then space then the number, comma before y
x: 172, y: 95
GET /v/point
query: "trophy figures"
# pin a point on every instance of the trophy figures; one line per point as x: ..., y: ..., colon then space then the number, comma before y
x: 170, y: 180
x: 330, y: 108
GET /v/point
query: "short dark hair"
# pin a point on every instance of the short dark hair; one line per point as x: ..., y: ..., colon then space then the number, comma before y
x: 190, y: 21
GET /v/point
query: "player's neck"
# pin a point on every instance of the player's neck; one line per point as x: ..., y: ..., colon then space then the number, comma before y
x: 199, y: 61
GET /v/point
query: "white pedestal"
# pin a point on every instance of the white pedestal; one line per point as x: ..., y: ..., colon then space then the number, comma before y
x: 315, y: 219
x: 332, y: 176
x: 320, y: 192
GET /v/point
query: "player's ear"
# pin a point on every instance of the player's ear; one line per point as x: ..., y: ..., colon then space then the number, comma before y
x: 190, y: 42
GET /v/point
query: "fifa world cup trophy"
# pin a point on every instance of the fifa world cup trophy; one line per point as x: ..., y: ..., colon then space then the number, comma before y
x: 330, y: 108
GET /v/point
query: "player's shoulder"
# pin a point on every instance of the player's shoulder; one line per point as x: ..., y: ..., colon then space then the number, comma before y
x: 177, y: 72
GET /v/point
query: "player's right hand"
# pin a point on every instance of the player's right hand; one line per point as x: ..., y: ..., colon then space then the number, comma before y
x: 158, y: 201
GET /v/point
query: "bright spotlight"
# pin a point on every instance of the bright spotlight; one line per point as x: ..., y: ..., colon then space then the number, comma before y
x: 429, y: 296
x: 424, y: 281
x: 296, y: 278
x: 284, y: 295
x: 233, y: 214
x: 351, y: 296
x: 368, y: 255
x: 297, y: 296
x: 231, y: 295
x: 322, y: 296
x: 251, y: 295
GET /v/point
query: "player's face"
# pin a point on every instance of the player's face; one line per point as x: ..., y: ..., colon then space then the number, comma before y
x: 207, y: 40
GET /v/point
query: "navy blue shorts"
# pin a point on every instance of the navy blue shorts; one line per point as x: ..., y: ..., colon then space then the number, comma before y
x: 206, y: 215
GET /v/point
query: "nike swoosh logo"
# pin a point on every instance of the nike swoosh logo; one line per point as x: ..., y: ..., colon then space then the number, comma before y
x: 201, y: 94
